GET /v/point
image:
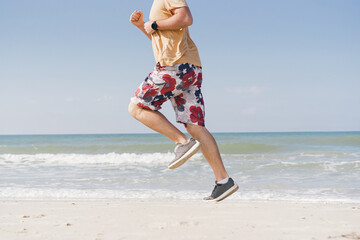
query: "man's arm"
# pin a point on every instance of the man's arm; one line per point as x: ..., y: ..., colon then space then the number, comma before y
x: 136, y: 18
x: 182, y: 18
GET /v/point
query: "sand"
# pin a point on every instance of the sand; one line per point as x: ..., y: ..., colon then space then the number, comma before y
x: 115, y: 220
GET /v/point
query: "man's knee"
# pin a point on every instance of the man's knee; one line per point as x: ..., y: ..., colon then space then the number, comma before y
x: 134, y: 110
x: 194, y: 130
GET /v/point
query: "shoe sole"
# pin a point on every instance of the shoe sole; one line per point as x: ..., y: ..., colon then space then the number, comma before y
x: 194, y: 149
x: 225, y: 194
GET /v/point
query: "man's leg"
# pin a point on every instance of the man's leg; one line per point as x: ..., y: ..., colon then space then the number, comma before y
x: 224, y: 186
x: 209, y: 149
x: 157, y: 122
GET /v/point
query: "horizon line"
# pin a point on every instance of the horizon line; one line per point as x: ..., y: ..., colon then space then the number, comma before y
x: 225, y: 132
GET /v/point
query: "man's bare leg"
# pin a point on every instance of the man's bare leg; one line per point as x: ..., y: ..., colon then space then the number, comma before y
x: 157, y: 122
x: 209, y: 149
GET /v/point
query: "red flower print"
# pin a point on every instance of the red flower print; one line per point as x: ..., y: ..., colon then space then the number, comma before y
x: 149, y: 90
x: 169, y: 85
x: 179, y: 100
x: 199, y: 80
x: 137, y: 92
x: 197, y: 115
x: 143, y: 106
x: 189, y: 79
x: 158, y: 103
x: 145, y: 87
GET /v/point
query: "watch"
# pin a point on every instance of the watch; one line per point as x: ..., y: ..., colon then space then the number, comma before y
x: 154, y: 26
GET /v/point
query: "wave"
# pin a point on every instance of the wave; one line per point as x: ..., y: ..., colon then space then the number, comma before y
x: 153, y: 159
x: 261, y: 143
x: 305, y: 160
x: 297, y: 156
x: 297, y: 162
x: 89, y: 149
x: 232, y: 148
x: 318, y: 167
x: 313, y: 195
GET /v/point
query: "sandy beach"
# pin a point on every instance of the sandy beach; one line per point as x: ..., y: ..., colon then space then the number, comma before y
x: 101, y: 220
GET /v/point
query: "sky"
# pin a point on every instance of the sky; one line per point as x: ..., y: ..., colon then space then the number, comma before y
x: 71, y: 66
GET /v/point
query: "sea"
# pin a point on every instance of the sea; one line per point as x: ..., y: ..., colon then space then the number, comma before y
x: 289, y: 166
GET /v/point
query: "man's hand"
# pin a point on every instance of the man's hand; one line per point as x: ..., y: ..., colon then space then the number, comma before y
x: 136, y: 18
x: 148, y: 28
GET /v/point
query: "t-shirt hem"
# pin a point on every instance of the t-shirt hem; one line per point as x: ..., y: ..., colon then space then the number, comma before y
x: 172, y: 63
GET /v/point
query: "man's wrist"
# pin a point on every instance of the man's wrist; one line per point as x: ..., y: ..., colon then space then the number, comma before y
x: 139, y: 25
x: 154, y: 26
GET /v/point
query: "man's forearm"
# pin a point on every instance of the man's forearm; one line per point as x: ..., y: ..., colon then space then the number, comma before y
x: 141, y: 27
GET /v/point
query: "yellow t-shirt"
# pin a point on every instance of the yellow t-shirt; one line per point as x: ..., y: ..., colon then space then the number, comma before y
x: 172, y: 46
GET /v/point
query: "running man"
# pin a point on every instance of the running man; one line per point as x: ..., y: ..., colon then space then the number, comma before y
x: 177, y: 77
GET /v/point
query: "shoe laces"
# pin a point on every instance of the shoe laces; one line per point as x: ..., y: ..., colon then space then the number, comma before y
x: 215, y: 186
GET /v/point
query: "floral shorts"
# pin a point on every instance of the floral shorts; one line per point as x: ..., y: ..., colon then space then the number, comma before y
x: 181, y: 85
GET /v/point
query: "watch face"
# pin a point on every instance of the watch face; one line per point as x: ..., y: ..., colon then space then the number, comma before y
x: 154, y: 26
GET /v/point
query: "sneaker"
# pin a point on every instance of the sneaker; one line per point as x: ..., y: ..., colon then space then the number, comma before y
x: 222, y: 191
x: 183, y: 152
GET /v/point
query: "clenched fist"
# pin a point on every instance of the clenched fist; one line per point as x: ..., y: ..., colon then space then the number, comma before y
x: 136, y: 18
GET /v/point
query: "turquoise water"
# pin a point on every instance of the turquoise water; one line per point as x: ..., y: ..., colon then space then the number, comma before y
x: 267, y: 166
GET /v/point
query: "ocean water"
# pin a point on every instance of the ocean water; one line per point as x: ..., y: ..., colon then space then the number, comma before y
x: 307, y: 167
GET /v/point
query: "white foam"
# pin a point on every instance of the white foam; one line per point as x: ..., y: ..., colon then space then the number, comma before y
x: 94, y: 194
x: 315, y: 195
x: 89, y: 159
x: 314, y: 155
x: 355, y: 154
x: 330, y: 166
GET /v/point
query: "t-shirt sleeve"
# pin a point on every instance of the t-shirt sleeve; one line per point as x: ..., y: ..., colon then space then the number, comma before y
x: 171, y: 4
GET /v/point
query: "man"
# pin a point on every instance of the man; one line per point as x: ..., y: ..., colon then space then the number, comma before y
x: 177, y: 77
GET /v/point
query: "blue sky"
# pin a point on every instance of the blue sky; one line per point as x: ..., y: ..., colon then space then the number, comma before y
x: 71, y: 66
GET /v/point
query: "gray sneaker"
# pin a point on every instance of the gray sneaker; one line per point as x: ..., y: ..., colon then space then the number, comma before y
x: 222, y: 191
x: 183, y: 152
